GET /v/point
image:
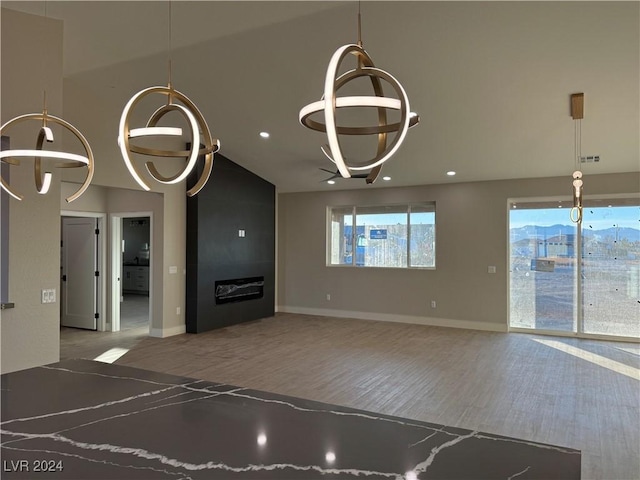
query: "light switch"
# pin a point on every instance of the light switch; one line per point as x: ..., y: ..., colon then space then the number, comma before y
x: 241, y: 233
x: 173, y: 269
x: 48, y: 295
x: 492, y: 269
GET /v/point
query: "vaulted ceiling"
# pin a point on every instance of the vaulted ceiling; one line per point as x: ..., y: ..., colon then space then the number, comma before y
x: 490, y: 80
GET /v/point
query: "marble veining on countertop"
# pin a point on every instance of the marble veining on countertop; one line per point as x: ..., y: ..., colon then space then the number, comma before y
x: 83, y: 419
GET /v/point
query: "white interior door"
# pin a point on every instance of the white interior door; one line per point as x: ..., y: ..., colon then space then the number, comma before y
x: 79, y: 267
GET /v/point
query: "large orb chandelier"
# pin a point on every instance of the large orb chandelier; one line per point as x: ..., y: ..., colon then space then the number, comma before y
x: 196, y: 123
x: 176, y: 101
x: 68, y: 160
x: 330, y: 102
x: 45, y: 159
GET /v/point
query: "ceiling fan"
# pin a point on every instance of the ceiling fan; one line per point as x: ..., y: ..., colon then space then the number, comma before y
x: 336, y: 174
x: 370, y: 176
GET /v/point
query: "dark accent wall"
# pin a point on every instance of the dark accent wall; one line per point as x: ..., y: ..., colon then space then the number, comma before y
x: 233, y: 199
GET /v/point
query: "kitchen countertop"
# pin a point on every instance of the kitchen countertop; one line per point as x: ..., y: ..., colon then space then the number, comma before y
x: 83, y: 419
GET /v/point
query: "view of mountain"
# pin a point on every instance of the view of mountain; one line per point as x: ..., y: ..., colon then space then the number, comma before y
x: 533, y: 231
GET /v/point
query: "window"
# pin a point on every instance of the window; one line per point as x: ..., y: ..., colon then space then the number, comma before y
x: 579, y: 279
x: 392, y: 236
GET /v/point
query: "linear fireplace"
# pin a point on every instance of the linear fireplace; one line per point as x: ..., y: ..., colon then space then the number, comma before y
x: 239, y: 289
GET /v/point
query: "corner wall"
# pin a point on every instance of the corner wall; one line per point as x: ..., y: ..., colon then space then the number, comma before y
x: 471, y: 234
x: 30, y: 332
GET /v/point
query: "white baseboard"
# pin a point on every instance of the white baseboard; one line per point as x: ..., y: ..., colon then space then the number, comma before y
x: 387, y: 317
x: 168, y: 332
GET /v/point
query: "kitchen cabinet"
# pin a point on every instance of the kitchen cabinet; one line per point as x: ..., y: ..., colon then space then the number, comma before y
x: 135, y: 279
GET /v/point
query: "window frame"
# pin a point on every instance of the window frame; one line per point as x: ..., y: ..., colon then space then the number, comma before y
x: 354, y: 238
x: 589, y: 201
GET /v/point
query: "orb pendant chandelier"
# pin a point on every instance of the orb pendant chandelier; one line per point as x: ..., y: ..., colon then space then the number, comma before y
x: 68, y: 160
x: 175, y: 102
x: 330, y: 102
x: 196, y: 123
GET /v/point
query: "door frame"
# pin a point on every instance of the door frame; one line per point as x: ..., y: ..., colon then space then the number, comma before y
x: 101, y: 324
x: 115, y: 280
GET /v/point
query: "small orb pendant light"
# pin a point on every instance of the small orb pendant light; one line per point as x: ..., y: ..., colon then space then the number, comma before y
x: 577, y: 113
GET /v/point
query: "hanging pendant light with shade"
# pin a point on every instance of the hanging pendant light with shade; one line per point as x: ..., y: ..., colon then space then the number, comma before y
x: 176, y: 101
x: 330, y: 102
x: 577, y: 113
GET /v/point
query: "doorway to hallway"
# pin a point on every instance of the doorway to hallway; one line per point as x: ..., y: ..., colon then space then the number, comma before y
x: 131, y: 267
x: 134, y: 312
x: 136, y: 240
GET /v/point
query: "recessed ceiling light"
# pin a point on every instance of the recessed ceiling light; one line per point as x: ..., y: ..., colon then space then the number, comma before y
x: 331, y: 182
x: 451, y: 173
x: 264, y: 134
x: 386, y: 179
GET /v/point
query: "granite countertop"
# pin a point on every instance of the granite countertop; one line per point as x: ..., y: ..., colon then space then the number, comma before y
x: 82, y: 419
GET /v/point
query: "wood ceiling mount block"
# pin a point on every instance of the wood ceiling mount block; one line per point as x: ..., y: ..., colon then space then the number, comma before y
x: 577, y: 106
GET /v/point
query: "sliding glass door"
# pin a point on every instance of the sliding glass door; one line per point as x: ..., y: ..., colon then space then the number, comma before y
x: 576, y: 279
x: 610, y: 268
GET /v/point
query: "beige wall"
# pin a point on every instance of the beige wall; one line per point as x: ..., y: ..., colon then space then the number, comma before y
x: 471, y: 234
x: 94, y: 199
x: 30, y: 332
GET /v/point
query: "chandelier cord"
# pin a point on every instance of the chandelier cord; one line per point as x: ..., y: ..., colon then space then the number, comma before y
x: 169, y: 49
x: 576, y: 211
x: 360, y: 62
x: 577, y: 147
x: 359, y: 26
x: 43, y: 66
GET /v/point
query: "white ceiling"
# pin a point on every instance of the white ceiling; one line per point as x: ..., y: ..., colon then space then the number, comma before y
x: 491, y: 80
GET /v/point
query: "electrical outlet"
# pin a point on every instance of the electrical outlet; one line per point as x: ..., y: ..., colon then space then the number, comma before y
x: 178, y: 310
x: 433, y: 304
x: 328, y: 297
